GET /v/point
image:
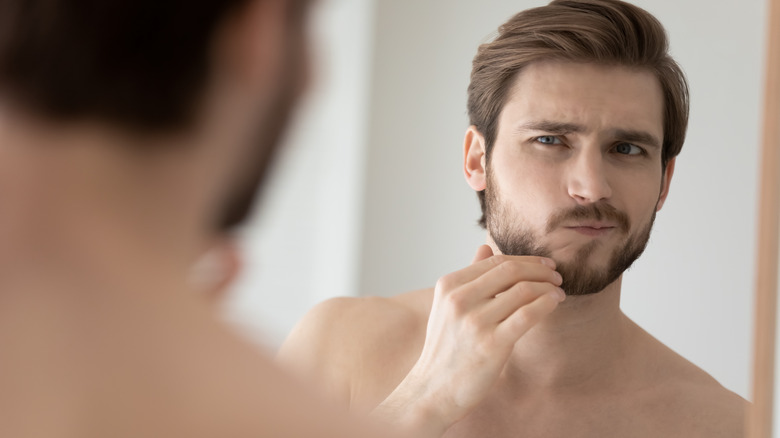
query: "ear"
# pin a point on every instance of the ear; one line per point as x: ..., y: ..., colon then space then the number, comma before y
x: 230, y: 269
x: 667, y: 180
x: 474, y: 159
x: 215, y: 271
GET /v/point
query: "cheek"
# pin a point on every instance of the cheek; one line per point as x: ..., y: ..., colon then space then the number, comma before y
x: 526, y: 172
x: 638, y: 195
x: 526, y: 192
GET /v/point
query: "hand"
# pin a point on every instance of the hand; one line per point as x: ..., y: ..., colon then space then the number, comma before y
x: 478, y: 315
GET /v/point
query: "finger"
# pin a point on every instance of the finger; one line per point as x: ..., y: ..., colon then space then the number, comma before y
x: 476, y: 270
x: 508, y: 274
x: 483, y: 252
x: 524, y: 318
x: 506, y: 303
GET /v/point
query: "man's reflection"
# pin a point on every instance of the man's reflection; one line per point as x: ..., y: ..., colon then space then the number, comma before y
x: 577, y: 115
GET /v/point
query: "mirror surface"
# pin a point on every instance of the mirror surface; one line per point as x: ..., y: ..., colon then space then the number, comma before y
x: 370, y: 197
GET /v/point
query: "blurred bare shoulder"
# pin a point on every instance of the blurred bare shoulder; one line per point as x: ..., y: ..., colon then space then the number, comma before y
x: 355, y: 347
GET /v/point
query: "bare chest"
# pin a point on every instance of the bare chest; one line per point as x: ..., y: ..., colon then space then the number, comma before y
x: 557, y: 425
x: 586, y: 418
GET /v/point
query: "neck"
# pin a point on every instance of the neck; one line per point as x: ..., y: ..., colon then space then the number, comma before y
x: 82, y: 196
x: 584, y: 345
x: 83, y: 260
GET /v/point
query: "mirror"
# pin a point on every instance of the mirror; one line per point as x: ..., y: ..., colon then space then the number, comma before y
x: 370, y: 197
x: 766, y: 368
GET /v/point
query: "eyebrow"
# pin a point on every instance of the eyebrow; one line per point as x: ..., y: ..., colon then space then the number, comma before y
x: 562, y: 128
x: 559, y: 128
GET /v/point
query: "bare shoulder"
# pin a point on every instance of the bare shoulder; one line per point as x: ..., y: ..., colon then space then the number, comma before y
x: 706, y: 406
x: 351, y: 346
x: 692, y: 400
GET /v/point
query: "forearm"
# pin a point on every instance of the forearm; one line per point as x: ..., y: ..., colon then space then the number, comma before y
x: 409, y: 411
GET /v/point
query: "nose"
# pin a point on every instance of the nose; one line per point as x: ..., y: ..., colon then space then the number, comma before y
x: 587, y: 178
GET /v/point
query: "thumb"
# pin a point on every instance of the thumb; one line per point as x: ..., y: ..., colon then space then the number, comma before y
x: 483, y: 252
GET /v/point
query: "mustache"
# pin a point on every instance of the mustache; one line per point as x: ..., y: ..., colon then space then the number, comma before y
x: 598, y: 212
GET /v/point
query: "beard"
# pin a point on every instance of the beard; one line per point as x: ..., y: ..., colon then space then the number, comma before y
x: 579, y: 278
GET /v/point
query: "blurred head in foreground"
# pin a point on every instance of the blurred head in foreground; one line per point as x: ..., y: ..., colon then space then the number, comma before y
x: 133, y: 133
x: 162, y: 116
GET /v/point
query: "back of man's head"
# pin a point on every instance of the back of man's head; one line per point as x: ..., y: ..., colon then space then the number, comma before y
x: 142, y: 67
x: 140, y: 64
x: 607, y: 32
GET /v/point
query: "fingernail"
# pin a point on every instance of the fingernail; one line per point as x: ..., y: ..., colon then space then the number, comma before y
x: 558, y: 277
x: 548, y: 262
x: 561, y: 294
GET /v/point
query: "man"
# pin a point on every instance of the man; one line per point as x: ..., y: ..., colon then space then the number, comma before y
x: 133, y: 132
x: 577, y: 114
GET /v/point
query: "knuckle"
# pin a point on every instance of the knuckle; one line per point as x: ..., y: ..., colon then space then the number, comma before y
x: 505, y: 266
x: 522, y: 290
x: 457, y: 302
x: 508, y: 269
x: 516, y: 268
x: 444, y: 283
x: 525, y: 316
x: 524, y: 285
x: 499, y: 259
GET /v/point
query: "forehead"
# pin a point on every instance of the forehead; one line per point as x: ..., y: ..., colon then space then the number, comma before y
x: 597, y: 97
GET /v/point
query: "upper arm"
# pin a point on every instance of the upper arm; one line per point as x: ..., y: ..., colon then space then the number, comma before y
x: 315, y: 351
x: 356, y: 349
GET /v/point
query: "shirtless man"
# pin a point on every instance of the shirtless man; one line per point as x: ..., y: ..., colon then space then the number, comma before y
x: 131, y: 133
x: 577, y: 114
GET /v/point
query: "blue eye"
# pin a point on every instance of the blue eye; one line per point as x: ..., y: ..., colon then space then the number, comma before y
x: 548, y: 139
x: 628, y: 149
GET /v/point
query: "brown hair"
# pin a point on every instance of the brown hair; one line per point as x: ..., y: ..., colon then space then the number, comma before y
x: 608, y: 32
x: 140, y: 64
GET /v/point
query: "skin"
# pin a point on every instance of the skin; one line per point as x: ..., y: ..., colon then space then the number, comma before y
x: 102, y: 330
x: 494, y: 349
x: 216, y: 269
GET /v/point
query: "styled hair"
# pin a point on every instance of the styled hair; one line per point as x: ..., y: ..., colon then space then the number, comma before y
x: 607, y: 32
x: 140, y: 64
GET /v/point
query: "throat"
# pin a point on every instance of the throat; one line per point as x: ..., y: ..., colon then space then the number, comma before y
x: 583, y: 345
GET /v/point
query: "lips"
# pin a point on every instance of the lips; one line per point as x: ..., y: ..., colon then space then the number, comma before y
x: 594, y: 225
x: 596, y: 216
x: 593, y: 229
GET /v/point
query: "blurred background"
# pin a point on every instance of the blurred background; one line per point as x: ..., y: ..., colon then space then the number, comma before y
x: 369, y: 197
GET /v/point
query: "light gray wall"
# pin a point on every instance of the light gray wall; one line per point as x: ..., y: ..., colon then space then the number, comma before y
x: 302, y: 244
x: 692, y: 288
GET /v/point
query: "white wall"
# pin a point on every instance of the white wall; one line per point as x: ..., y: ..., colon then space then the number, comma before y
x: 693, y: 288
x: 302, y: 245
x: 371, y: 199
